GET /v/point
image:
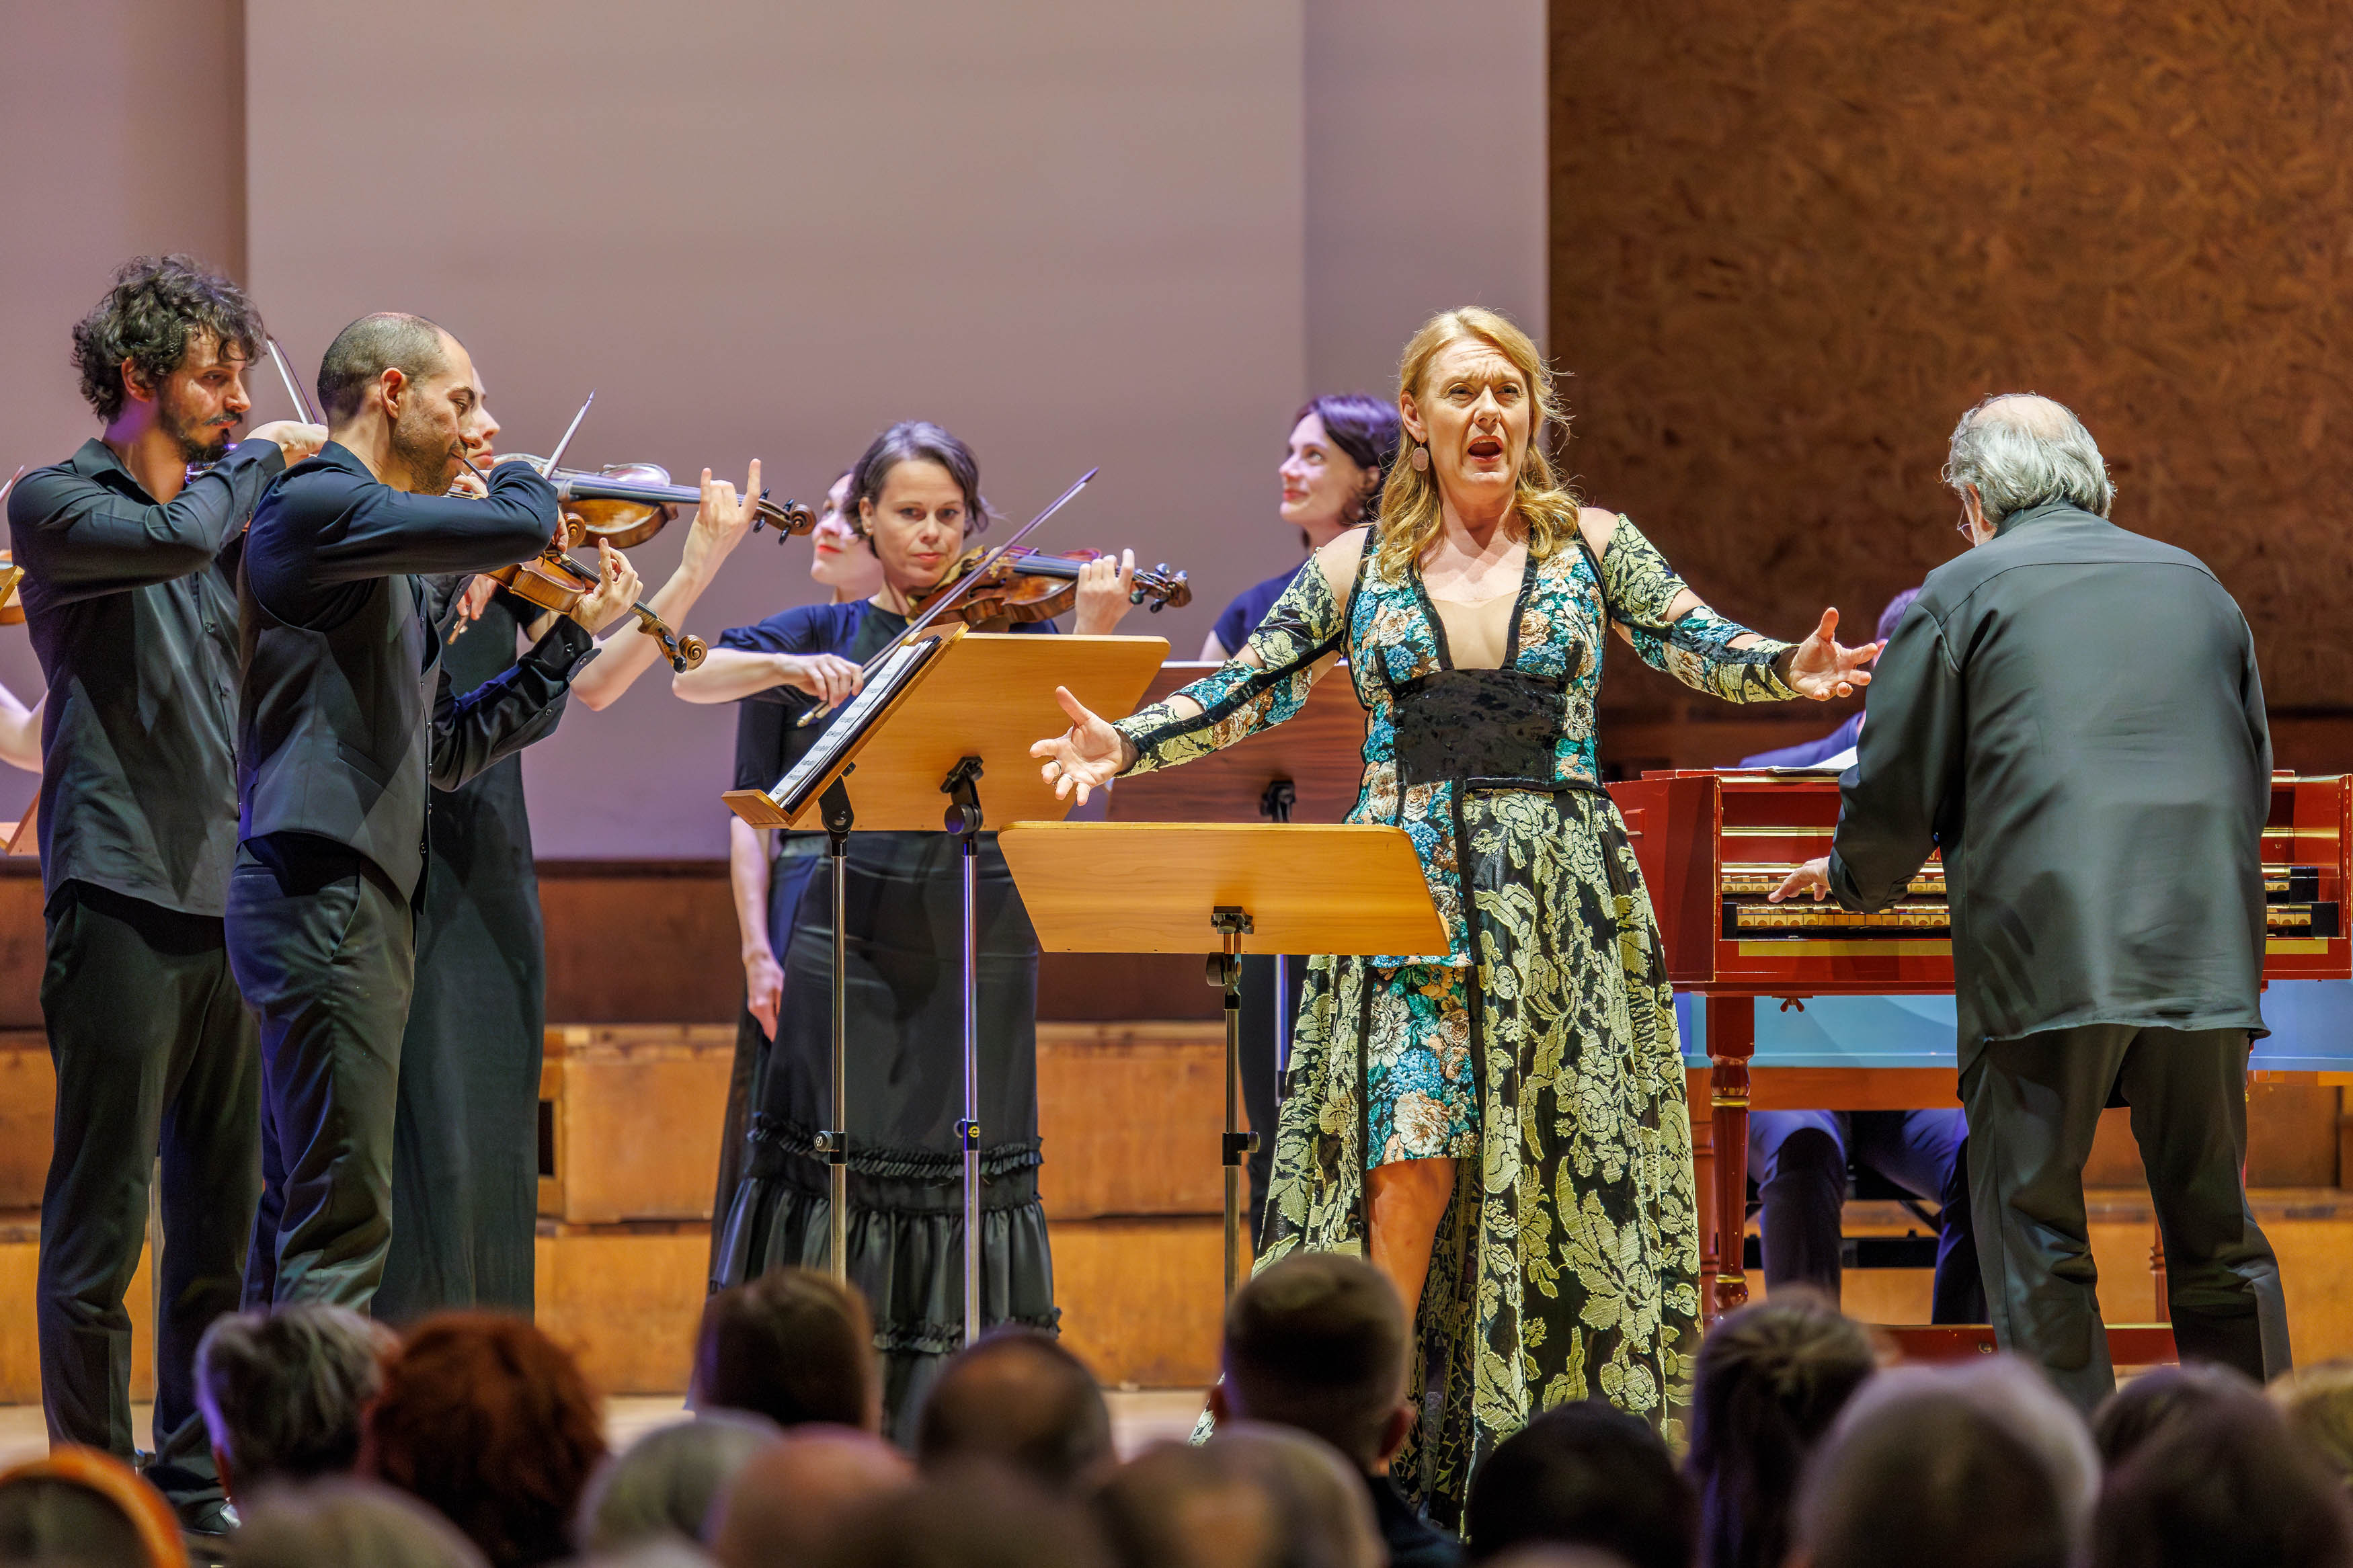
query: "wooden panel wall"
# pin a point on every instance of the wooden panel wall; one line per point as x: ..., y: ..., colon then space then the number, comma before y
x: 1792, y: 243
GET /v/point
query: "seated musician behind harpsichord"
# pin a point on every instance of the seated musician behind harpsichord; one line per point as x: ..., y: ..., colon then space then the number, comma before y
x: 1799, y: 1158
x: 2071, y: 714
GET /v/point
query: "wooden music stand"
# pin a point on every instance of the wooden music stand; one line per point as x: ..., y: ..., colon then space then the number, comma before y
x: 1310, y: 766
x: 1133, y: 887
x: 966, y: 706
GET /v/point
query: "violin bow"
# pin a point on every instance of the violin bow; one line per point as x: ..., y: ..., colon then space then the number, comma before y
x: 570, y: 430
x: 971, y: 580
x: 12, y: 482
x: 293, y: 388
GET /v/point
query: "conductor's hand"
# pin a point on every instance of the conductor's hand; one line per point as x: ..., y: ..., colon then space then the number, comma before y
x: 1813, y: 877
x: 1088, y: 755
x: 294, y: 438
x: 616, y: 591
x: 1822, y: 670
x: 1104, y: 584
x: 830, y: 678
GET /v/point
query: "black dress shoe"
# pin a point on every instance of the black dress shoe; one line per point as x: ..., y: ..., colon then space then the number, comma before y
x: 207, y: 1523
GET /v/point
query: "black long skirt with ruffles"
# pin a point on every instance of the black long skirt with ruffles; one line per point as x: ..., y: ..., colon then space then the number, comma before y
x: 905, y: 1005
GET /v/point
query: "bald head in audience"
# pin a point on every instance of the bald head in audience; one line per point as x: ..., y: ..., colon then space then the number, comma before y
x: 1252, y: 1497
x: 982, y: 1516
x: 788, y: 1498
x: 1020, y: 1400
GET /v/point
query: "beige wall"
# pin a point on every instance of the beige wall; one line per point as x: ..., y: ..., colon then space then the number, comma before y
x: 122, y: 130
x: 1076, y: 234
x: 1425, y: 174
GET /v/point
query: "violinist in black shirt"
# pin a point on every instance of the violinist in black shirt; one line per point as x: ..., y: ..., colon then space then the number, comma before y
x: 344, y: 717
x: 130, y: 597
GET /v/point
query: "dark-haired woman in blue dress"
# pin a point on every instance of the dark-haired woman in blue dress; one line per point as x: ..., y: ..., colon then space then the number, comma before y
x: 916, y: 494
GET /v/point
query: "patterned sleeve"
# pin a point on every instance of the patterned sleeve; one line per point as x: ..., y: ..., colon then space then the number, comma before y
x: 1697, y: 650
x: 1238, y: 700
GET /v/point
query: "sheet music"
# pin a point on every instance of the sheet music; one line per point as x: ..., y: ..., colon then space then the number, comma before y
x: 882, y: 683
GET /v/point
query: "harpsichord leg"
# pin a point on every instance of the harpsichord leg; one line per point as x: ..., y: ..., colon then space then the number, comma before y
x: 1731, y: 1041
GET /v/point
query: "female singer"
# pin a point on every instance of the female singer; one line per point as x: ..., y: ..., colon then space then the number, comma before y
x: 767, y: 889
x: 916, y: 496
x: 1506, y: 1118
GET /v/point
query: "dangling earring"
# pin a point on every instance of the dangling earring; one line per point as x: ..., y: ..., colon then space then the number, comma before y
x: 1421, y: 459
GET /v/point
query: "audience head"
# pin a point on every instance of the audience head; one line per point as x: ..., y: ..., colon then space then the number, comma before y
x: 788, y: 1498
x: 490, y: 1420
x: 283, y: 1391
x: 793, y: 1345
x: 1252, y: 1497
x: 1772, y: 1379
x: 349, y: 1523
x: 981, y: 1517
x: 2158, y: 1400
x: 2222, y: 1486
x: 1920, y: 1473
x: 666, y: 1483
x: 1585, y: 1474
x: 80, y: 1508
x: 2318, y: 1404
x: 1020, y: 1400
x: 1318, y: 1342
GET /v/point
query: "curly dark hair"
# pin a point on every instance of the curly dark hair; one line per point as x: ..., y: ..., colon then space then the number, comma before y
x: 492, y: 1421
x: 157, y: 303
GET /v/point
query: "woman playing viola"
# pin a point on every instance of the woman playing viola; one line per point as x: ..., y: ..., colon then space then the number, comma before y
x: 916, y: 496
x: 1502, y: 1126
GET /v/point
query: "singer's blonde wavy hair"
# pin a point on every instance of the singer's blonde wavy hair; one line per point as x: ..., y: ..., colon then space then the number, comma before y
x: 1410, y: 518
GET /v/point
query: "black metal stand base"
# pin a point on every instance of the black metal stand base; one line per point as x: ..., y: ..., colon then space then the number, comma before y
x: 1225, y: 971
x: 833, y: 1142
x: 963, y: 820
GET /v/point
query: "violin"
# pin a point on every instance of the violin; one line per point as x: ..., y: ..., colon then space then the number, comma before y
x: 1022, y: 584
x: 625, y: 504
x: 554, y: 581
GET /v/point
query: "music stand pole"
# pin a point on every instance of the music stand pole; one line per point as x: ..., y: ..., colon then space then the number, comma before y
x: 963, y: 821
x: 1232, y: 924
x: 833, y: 1143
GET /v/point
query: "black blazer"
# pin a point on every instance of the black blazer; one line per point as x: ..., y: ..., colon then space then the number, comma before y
x: 345, y: 716
x: 2072, y: 713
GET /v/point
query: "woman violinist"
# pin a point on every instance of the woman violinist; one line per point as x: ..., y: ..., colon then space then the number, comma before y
x: 916, y: 496
x: 767, y: 889
x: 465, y: 1177
x: 1500, y: 1126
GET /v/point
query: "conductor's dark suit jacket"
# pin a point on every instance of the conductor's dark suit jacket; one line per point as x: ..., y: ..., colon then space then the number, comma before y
x: 345, y: 718
x: 2071, y: 713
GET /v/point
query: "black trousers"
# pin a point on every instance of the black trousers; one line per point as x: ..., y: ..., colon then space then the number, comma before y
x: 1799, y: 1160
x: 155, y: 1054
x: 2033, y: 1104
x: 325, y: 953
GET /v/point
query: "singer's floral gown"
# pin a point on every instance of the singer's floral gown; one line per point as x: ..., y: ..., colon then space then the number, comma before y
x: 1568, y: 1265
